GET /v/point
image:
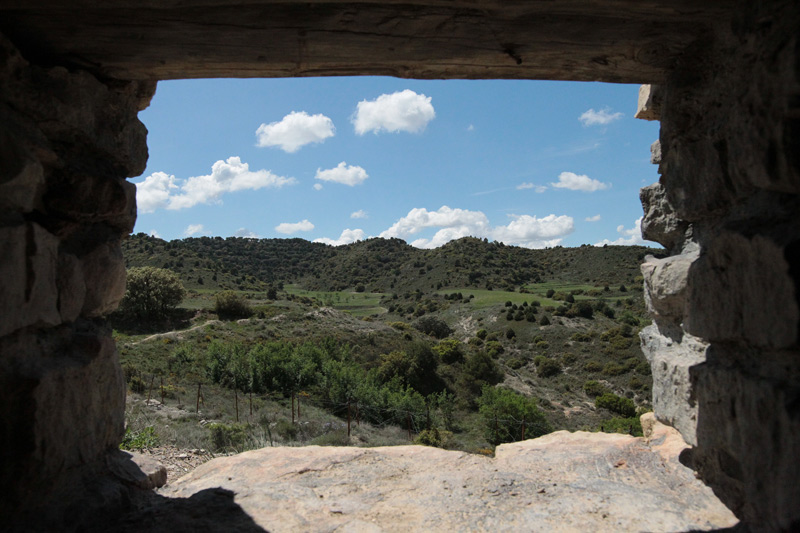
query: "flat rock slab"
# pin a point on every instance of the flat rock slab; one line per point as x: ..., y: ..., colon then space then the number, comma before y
x: 560, y: 482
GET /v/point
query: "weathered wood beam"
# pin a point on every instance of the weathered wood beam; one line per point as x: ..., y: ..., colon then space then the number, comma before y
x: 615, y: 41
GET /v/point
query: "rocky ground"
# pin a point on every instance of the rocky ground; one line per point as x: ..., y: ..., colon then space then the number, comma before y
x: 560, y: 482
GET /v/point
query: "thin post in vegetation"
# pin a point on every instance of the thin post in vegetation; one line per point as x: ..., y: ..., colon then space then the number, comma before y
x: 251, y: 403
x: 358, y: 416
x: 292, y: 407
x: 408, y: 422
x: 523, y: 428
x: 162, y: 390
x: 150, y: 390
x: 496, y: 430
x: 298, y: 406
x: 197, y: 409
x: 348, y: 418
x: 236, y: 402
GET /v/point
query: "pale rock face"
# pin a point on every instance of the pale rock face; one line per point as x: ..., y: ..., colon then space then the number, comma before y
x: 672, y: 361
x: 560, y: 482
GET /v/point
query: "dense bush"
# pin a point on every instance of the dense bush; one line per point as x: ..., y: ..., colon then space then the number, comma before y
x: 505, y: 413
x: 433, y: 326
x: 616, y: 404
x: 151, y: 293
x: 230, y: 304
x: 594, y: 389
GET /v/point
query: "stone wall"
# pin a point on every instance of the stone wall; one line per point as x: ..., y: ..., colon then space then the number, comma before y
x: 67, y: 143
x: 726, y: 303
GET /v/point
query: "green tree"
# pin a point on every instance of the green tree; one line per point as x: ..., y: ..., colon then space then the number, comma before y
x: 616, y: 404
x: 151, y: 293
x: 505, y: 413
x: 230, y: 304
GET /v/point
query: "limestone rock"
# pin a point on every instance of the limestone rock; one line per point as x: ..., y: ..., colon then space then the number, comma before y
x: 660, y: 223
x: 560, y: 482
x: 655, y: 152
x: 136, y: 469
x: 672, y: 360
x: 665, y: 285
x: 649, y: 105
x: 28, y: 295
x: 740, y: 290
x: 104, y: 276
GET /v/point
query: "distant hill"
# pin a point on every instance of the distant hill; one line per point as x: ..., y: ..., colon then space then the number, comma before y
x: 380, y: 265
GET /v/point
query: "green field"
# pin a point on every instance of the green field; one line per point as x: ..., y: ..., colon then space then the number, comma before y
x: 483, y: 298
x: 356, y: 303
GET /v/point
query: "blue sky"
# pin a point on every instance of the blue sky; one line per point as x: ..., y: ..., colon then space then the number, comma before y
x: 529, y: 163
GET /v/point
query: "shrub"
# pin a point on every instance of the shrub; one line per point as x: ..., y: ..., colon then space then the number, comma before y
x: 510, y: 333
x: 593, y: 389
x: 581, y: 337
x: 616, y: 404
x: 593, y: 366
x: 494, y: 349
x: 138, y: 440
x: 230, y: 304
x: 504, y: 412
x: 433, y: 327
x: 436, y: 437
x: 544, y: 321
x: 225, y: 437
x: 481, y: 334
x: 614, y: 369
x: 515, y: 363
x: 151, y: 293
x: 548, y: 368
x: 631, y: 426
x: 333, y: 438
x: 449, y: 351
x: 550, y: 293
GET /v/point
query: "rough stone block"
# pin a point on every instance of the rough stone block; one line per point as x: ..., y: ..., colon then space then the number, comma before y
x: 655, y: 153
x: 85, y: 199
x: 747, y: 437
x: 62, y: 399
x: 649, y: 105
x: 21, y: 176
x: 665, y: 285
x: 104, y: 277
x: 136, y: 469
x: 28, y: 294
x: 671, y: 361
x: 71, y: 287
x: 660, y: 223
x: 740, y: 290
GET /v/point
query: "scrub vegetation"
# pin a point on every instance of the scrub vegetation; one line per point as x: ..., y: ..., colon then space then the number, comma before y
x: 286, y: 342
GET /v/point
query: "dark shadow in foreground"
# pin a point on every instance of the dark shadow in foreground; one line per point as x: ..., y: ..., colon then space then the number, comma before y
x: 209, y: 511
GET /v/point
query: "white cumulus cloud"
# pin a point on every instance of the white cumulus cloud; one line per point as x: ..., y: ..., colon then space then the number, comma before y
x: 358, y: 214
x: 529, y: 185
x: 344, y: 174
x: 599, y: 118
x: 523, y: 230
x: 317, y: 186
x: 294, y: 227
x: 348, y: 236
x: 154, y: 192
x: 154, y: 233
x: 193, y: 229
x: 595, y: 218
x: 400, y: 111
x: 579, y: 182
x: 532, y: 232
x: 295, y: 130
x: 160, y: 190
x: 629, y: 236
x: 246, y: 233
